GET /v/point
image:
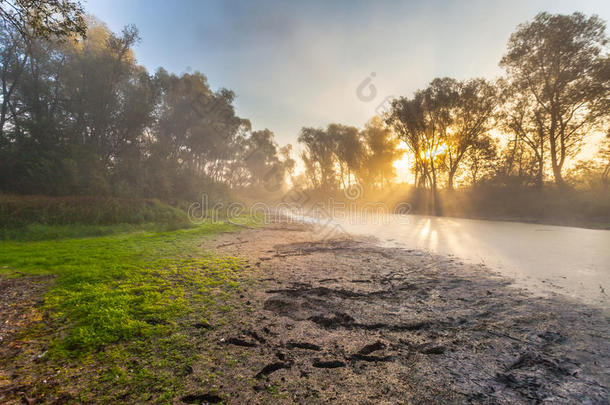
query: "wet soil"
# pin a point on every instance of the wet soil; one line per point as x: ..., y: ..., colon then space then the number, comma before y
x: 20, y: 301
x: 342, y: 320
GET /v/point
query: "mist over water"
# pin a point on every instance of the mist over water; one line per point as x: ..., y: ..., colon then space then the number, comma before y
x: 545, y: 259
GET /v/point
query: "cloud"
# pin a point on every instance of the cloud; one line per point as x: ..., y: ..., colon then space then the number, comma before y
x: 295, y: 64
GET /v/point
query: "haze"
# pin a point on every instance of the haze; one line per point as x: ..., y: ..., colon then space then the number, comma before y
x: 299, y: 64
x: 320, y: 202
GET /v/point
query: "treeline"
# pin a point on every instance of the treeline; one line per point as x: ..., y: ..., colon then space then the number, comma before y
x: 79, y: 116
x: 520, y: 131
x: 340, y: 155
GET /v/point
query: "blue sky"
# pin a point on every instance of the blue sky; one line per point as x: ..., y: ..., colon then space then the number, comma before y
x: 295, y: 64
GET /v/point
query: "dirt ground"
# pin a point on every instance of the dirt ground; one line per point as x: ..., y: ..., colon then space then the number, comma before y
x: 20, y: 301
x: 342, y: 320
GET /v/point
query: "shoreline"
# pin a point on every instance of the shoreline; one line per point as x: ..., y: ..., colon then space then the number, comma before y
x: 308, y: 317
x: 593, y: 225
x: 339, y: 320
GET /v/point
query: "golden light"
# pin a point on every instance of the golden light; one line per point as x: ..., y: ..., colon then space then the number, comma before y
x: 431, y: 153
x: 402, y: 166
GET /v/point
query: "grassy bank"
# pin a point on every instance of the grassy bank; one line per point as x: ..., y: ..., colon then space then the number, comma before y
x: 44, y: 217
x: 123, y: 313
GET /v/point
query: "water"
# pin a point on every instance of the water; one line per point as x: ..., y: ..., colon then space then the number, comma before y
x: 544, y: 259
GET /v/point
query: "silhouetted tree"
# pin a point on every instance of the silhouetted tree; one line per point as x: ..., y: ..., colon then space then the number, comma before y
x: 380, y: 146
x: 319, y: 158
x: 471, y: 115
x: 424, y: 124
x: 553, y: 65
x: 348, y: 151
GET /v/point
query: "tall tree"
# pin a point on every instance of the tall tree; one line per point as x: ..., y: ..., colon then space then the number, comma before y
x: 471, y: 115
x: 480, y: 159
x: 424, y: 124
x: 319, y: 158
x: 521, y: 116
x: 553, y: 63
x: 348, y: 151
x: 380, y: 153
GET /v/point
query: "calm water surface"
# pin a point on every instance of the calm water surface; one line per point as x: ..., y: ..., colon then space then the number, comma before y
x: 544, y: 259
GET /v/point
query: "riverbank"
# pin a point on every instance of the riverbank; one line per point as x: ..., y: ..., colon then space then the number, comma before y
x: 287, y: 313
x: 343, y: 320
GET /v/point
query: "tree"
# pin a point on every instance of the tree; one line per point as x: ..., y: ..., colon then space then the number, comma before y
x: 424, y: 123
x: 347, y: 150
x: 319, y: 158
x: 604, y: 155
x: 516, y: 165
x: 594, y: 172
x: 82, y: 117
x: 267, y: 164
x: 380, y: 146
x: 553, y: 65
x: 471, y: 113
x: 521, y: 116
x: 14, y: 56
x: 47, y: 19
x: 480, y: 159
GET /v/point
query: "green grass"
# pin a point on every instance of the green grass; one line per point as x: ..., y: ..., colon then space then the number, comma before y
x: 123, y: 303
x: 37, y: 232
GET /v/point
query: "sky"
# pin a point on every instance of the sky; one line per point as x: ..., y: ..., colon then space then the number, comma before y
x: 294, y: 64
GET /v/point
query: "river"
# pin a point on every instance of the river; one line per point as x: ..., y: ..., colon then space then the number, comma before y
x: 544, y: 259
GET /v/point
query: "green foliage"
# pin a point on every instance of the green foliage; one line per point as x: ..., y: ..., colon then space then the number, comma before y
x: 32, y: 211
x: 115, y: 287
x: 33, y: 232
x: 91, y: 121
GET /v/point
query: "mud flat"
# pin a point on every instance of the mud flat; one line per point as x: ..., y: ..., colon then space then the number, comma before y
x: 343, y: 320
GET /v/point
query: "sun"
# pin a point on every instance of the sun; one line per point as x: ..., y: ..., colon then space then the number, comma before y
x: 433, y: 153
x: 402, y: 165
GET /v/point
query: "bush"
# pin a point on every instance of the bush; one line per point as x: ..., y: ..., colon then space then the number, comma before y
x: 22, y: 211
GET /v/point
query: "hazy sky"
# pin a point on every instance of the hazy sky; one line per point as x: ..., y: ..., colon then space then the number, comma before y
x: 295, y: 64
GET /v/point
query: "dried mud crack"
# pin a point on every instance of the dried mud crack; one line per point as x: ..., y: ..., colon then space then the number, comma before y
x: 344, y: 320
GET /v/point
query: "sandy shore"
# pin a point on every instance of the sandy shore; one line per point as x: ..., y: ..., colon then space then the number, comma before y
x: 344, y: 321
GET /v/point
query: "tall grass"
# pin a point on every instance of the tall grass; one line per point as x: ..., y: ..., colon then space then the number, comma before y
x: 43, y: 217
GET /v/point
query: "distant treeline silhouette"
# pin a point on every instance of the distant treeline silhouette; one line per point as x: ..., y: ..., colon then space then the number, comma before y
x: 519, y: 131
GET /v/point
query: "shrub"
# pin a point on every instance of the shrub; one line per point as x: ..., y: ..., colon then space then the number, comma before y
x: 21, y: 211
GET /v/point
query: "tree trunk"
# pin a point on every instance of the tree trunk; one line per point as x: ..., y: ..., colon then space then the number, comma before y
x: 435, y: 201
x: 556, y: 166
x: 540, y: 174
x: 450, y: 180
